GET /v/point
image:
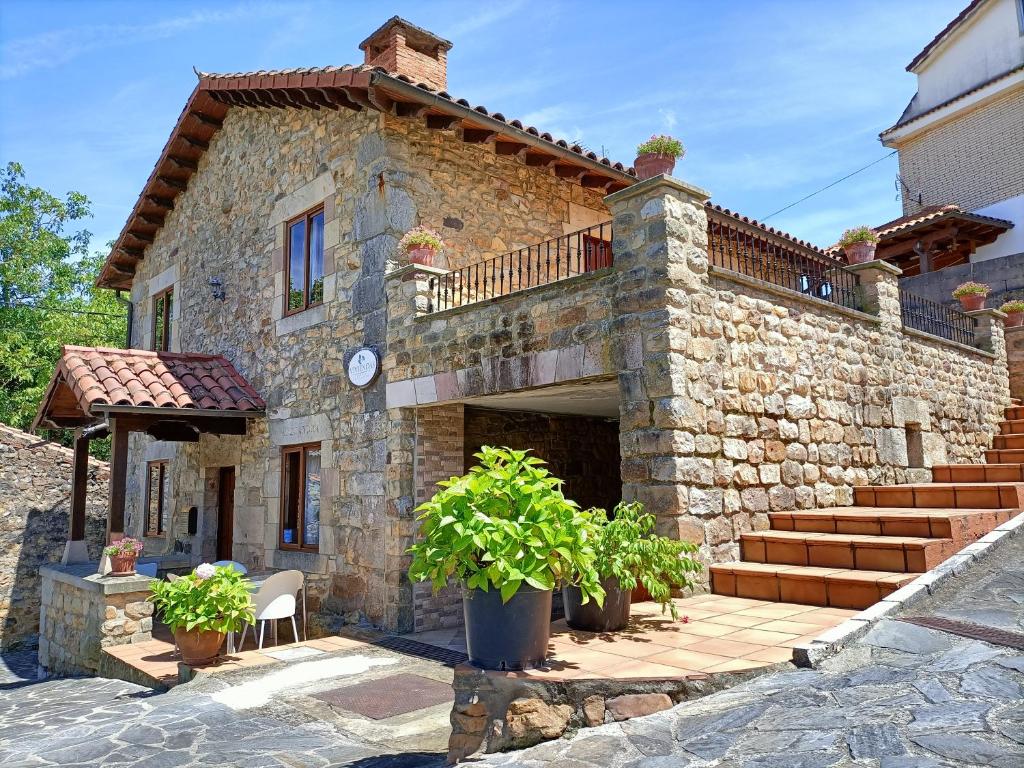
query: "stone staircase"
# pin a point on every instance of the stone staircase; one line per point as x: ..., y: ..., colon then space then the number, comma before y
x: 852, y: 557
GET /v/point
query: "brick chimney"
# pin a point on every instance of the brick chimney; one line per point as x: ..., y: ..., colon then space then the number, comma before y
x: 405, y: 49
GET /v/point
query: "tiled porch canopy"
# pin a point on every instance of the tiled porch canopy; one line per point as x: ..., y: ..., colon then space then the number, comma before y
x: 170, y: 396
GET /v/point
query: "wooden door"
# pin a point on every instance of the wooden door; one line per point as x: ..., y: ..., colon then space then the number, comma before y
x: 225, y: 513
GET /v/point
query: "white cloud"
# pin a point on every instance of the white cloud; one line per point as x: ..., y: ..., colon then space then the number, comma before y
x: 485, y: 18
x: 668, y: 117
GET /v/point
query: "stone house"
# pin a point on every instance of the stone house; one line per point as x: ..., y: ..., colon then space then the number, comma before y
x: 309, y: 386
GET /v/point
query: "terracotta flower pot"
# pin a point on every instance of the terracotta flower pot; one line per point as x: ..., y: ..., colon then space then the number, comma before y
x: 122, y: 565
x: 422, y: 254
x: 198, y: 646
x: 653, y: 164
x: 860, y: 253
x: 972, y: 301
x: 1014, y: 319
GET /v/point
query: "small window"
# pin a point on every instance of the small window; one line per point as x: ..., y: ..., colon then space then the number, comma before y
x: 163, y: 303
x: 157, y: 491
x: 304, y: 262
x: 915, y: 446
x: 300, y: 497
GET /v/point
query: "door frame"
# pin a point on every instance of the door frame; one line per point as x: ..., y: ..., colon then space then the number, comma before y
x: 225, y: 512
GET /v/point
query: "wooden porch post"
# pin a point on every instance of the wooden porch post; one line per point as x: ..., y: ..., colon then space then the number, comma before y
x: 75, y: 550
x: 118, y: 478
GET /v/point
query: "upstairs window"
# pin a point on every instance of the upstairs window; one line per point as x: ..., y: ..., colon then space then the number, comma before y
x: 163, y: 302
x: 304, y: 261
x: 157, y: 487
x: 300, y: 497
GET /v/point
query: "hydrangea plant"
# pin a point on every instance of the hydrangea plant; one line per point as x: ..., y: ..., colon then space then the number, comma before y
x: 420, y: 237
x: 503, y: 525
x: 210, y: 599
x: 971, y: 288
x: 126, y: 546
x: 662, y: 145
x: 858, y: 235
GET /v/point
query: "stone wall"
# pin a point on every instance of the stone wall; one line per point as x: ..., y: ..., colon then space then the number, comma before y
x: 35, y: 509
x: 1005, y: 276
x: 1015, y: 358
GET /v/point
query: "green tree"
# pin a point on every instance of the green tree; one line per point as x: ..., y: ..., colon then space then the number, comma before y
x: 47, y: 292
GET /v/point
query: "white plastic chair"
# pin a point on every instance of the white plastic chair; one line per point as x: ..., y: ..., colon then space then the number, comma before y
x: 275, y: 600
x: 232, y: 564
x: 146, y: 569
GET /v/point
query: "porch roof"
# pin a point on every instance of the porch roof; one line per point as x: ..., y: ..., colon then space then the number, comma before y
x: 91, y: 382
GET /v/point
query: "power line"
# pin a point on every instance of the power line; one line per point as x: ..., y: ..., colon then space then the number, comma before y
x: 65, y: 311
x: 828, y: 186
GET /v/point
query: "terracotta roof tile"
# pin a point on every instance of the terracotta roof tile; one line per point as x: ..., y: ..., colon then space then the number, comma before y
x: 101, y: 376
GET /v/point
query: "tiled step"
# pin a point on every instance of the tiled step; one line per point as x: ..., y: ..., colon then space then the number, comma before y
x: 1015, y: 412
x: 963, y: 526
x: 1008, y: 441
x: 978, y: 473
x: 951, y: 495
x: 1005, y: 456
x: 899, y: 554
x: 1012, y: 427
x: 834, y: 587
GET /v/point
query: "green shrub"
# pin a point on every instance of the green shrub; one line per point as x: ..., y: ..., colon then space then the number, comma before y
x: 210, y: 598
x: 858, y: 235
x: 971, y: 288
x: 504, y: 524
x: 628, y: 549
x: 662, y: 145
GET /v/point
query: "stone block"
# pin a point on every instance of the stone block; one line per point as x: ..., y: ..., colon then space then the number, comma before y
x: 637, y: 705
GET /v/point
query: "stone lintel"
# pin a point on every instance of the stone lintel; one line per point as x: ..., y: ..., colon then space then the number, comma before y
x: 877, y: 265
x: 654, y: 185
x: 990, y: 313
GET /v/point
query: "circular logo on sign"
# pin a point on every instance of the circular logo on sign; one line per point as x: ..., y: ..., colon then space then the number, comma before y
x: 363, y: 367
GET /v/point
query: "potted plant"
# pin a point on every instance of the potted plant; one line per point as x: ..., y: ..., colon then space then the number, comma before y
x: 1014, y: 310
x: 657, y: 155
x: 202, y: 607
x: 509, y: 535
x: 422, y: 245
x: 859, y: 245
x: 971, y: 294
x: 629, y: 555
x: 123, y: 553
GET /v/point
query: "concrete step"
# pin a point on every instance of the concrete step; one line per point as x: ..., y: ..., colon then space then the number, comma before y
x: 1005, y: 456
x: 949, y: 495
x: 899, y: 554
x: 978, y: 473
x: 1012, y: 427
x: 834, y: 587
x: 1008, y: 441
x: 1015, y: 412
x: 962, y: 526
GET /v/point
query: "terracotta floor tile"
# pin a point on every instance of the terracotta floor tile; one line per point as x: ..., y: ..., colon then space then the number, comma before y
x: 736, y: 665
x: 823, y: 620
x: 777, y: 611
x: 762, y: 636
x: 772, y: 655
x: 645, y: 668
x: 708, y: 629
x: 790, y: 627
x: 674, y: 639
x: 731, y: 604
x: 726, y: 646
x: 686, y: 659
x: 736, y: 620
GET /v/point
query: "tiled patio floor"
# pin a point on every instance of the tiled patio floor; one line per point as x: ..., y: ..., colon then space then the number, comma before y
x: 713, y: 634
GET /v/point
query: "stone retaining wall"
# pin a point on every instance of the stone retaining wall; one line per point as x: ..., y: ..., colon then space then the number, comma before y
x: 35, y: 508
x: 1015, y: 360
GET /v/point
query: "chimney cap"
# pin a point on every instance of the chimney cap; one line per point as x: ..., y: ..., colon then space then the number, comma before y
x: 415, y: 36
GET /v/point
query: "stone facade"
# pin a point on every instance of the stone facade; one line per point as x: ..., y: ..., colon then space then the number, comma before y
x: 1015, y: 359
x: 35, y: 507
x: 82, y: 613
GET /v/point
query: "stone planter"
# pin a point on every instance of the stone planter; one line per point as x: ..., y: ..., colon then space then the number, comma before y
x: 123, y: 565
x: 422, y: 254
x: 198, y: 646
x: 860, y: 253
x: 972, y: 302
x: 653, y: 164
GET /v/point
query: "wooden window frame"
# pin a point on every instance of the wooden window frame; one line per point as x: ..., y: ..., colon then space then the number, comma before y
x: 300, y: 528
x: 163, y: 344
x: 307, y: 218
x: 163, y: 464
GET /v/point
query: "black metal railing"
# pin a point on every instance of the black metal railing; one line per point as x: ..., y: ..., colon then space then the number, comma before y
x: 749, y: 249
x: 936, y: 319
x: 574, y: 254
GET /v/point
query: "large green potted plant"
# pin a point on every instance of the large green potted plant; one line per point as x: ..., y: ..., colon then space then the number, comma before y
x: 509, y: 535
x: 629, y: 555
x: 202, y: 607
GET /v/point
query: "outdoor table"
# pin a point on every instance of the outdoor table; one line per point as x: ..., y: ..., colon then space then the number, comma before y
x: 256, y: 580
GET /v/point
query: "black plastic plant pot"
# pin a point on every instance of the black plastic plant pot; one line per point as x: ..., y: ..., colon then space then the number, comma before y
x: 507, y: 636
x: 611, y: 617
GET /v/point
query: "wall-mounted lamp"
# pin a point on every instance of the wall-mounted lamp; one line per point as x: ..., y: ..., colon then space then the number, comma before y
x: 218, y: 288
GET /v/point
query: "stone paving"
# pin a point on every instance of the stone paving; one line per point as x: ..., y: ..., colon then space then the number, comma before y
x: 904, y: 697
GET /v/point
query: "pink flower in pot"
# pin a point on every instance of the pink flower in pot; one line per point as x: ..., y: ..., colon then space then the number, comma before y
x: 859, y: 245
x: 1014, y: 310
x: 422, y: 245
x: 123, y: 553
x: 656, y: 156
x: 972, y: 295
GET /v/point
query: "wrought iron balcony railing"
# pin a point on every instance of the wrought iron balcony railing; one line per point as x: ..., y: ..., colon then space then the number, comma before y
x: 936, y: 319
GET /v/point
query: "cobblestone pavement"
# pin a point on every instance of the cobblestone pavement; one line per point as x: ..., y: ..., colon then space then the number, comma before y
x: 254, y: 720
x: 904, y: 697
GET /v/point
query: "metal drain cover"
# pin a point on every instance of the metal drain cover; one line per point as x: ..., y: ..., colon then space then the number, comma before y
x: 967, y: 629
x: 389, y: 696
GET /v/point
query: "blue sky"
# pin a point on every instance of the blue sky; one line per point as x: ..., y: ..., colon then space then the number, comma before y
x: 772, y: 99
